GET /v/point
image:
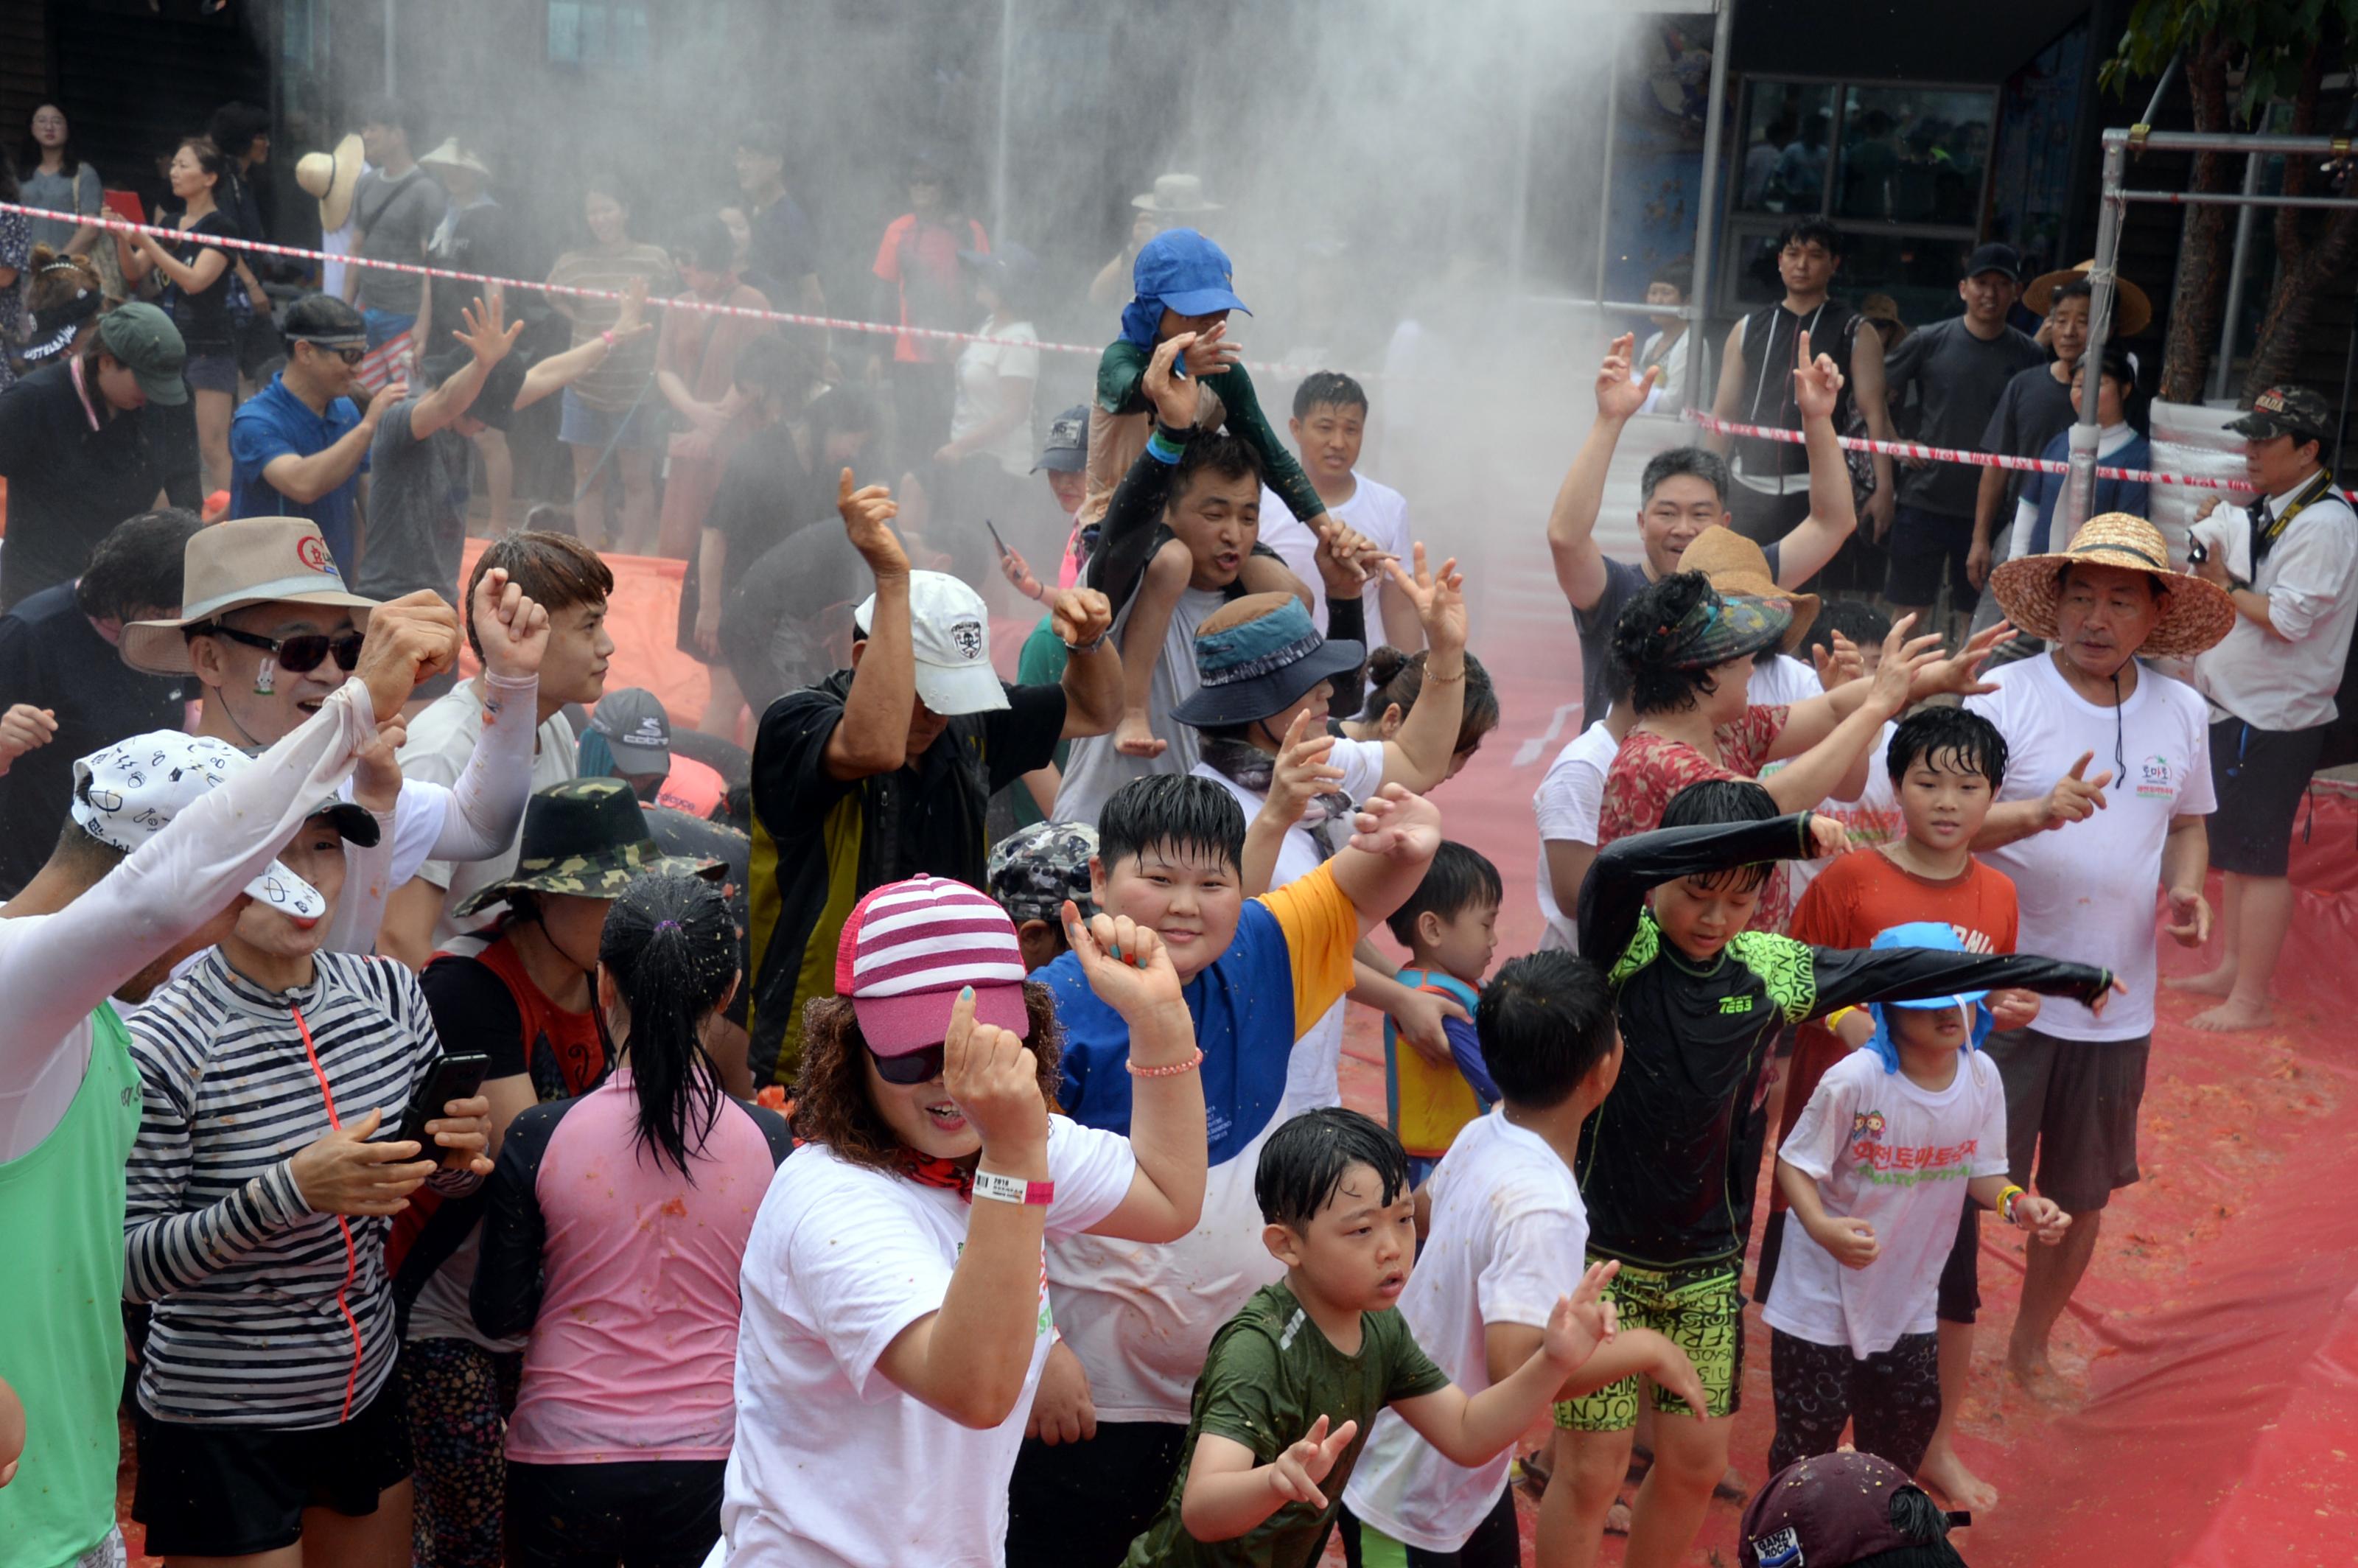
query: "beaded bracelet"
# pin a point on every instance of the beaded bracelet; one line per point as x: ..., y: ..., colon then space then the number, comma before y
x: 1171, y: 1071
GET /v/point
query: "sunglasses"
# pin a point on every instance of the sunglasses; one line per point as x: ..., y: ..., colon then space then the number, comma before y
x: 350, y: 356
x: 922, y: 1066
x: 302, y: 653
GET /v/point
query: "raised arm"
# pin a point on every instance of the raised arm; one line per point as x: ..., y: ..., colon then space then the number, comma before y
x: 872, y: 737
x: 1094, y: 670
x: 1834, y: 516
x: 1386, y: 859
x: 1572, y: 521
x: 490, y: 796
x: 1283, y: 472
x: 487, y: 339
x: 557, y: 371
x: 1625, y: 871
x: 1300, y: 774
x: 1471, y: 1429
x: 1126, y: 537
x: 1418, y: 756
x: 1849, y: 976
x: 1129, y: 969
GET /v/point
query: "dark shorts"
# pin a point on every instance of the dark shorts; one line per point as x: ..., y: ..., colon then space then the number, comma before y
x: 647, y: 1513
x: 2075, y: 1102
x: 226, y: 1491
x: 1083, y: 1503
x: 1924, y: 546
x: 625, y: 430
x: 212, y: 372
x: 1497, y: 1542
x: 2259, y: 776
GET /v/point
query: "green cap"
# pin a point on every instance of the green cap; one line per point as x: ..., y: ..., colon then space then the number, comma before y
x: 144, y: 338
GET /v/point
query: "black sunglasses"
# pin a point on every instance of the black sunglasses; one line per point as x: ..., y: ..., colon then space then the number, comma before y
x: 921, y: 1065
x: 349, y: 355
x: 301, y: 653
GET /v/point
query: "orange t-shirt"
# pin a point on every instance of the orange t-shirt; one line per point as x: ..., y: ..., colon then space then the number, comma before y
x: 1863, y: 893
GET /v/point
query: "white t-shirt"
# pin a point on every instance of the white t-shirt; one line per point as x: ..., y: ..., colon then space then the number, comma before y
x: 980, y: 368
x: 1313, y: 1074
x: 441, y: 739
x: 1898, y: 1156
x: 1787, y: 680
x: 2285, y: 678
x: 833, y: 1463
x: 1093, y: 769
x: 2087, y: 890
x: 1565, y: 806
x: 1509, y: 1237
x: 1375, y: 509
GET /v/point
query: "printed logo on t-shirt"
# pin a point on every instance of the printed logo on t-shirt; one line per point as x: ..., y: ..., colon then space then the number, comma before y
x: 1973, y: 941
x: 1735, y: 1004
x: 2155, y: 780
x: 1906, y: 1164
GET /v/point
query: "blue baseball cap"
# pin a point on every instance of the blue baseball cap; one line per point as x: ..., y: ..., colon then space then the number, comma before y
x: 1185, y: 272
x: 1940, y: 936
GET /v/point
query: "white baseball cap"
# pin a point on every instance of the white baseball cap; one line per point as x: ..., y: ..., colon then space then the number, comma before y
x: 949, y: 631
x: 127, y: 792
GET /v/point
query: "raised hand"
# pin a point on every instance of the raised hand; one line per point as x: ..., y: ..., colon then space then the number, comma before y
x: 1828, y: 837
x: 1439, y: 600
x: 410, y: 638
x: 1398, y: 825
x: 1583, y: 1320
x: 1904, y: 658
x: 511, y: 626
x: 1617, y: 397
x: 1346, y: 558
x: 1297, y: 1472
x: 383, y: 398
x: 484, y: 334
x: 1302, y: 773
x: 1960, y: 676
x: 868, y: 515
x: 995, y: 1083
x: 1209, y: 351
x: 1125, y: 963
x: 1817, y: 384
x: 24, y: 728
x: 343, y: 1172
x: 1174, y: 398
x: 377, y: 775
x: 2076, y: 797
x: 1079, y: 615
x: 1838, y: 664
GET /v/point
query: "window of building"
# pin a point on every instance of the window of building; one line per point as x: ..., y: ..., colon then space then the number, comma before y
x: 604, y: 33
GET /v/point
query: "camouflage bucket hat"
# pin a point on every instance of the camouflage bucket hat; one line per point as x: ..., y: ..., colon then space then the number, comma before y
x: 1034, y: 869
x: 587, y: 837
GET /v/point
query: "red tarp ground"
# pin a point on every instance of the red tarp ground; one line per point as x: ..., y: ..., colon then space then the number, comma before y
x: 2217, y: 1334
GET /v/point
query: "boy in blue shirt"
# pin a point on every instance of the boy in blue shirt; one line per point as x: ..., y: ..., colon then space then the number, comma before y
x: 1450, y: 927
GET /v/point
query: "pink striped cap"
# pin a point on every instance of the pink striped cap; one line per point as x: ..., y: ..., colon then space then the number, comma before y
x: 909, y: 948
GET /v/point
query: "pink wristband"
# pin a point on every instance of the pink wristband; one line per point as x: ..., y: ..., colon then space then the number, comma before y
x: 1170, y: 1071
x: 1013, y: 1189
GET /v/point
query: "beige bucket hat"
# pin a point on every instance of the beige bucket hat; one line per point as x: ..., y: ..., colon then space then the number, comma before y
x: 252, y: 560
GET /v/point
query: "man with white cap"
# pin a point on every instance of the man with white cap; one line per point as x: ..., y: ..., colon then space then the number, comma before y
x: 883, y: 771
x: 146, y: 872
x: 268, y: 628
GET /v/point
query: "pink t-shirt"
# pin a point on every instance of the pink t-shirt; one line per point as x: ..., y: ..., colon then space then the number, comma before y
x: 633, y: 1351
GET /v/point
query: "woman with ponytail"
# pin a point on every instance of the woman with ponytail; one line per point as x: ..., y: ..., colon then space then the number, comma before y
x: 617, y: 1224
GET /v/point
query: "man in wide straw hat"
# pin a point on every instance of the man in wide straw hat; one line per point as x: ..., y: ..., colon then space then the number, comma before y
x: 2140, y: 740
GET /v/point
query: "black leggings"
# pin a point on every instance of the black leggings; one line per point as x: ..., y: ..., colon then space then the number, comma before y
x: 1893, y: 1399
x: 642, y: 1513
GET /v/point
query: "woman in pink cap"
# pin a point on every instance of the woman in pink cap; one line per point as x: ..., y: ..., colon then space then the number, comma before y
x: 896, y: 1308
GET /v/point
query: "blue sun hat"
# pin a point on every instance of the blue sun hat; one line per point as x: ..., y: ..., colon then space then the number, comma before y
x: 1940, y: 936
x: 1181, y: 269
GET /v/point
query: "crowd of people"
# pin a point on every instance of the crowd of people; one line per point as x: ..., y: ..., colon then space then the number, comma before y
x: 512, y: 1126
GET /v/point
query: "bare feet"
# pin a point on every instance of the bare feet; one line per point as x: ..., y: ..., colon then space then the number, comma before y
x: 2233, y: 1015
x: 1616, y: 1517
x: 1944, y: 1473
x: 2210, y: 982
x: 2037, y: 1375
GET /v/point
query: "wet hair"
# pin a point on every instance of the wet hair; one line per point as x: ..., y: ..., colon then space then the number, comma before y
x: 1856, y: 619
x: 832, y: 1104
x: 763, y: 138
x: 1459, y: 879
x: 322, y: 316
x: 209, y: 159
x: 1642, y: 640
x: 138, y: 566
x: 786, y: 368
x: 704, y: 242
x: 1953, y: 738
x: 234, y: 127
x: 556, y: 570
x: 1716, y: 801
x: 1701, y: 461
x: 1678, y: 273
x: 1330, y: 386
x: 68, y: 160
x: 1170, y: 811
x: 1546, y: 1019
x: 671, y: 949
x: 383, y: 108
x: 1812, y: 230
x: 1308, y: 1157
x: 1394, y: 676
x: 1216, y: 453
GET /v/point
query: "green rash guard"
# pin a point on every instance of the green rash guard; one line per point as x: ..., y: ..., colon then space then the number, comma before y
x: 1656, y: 1162
x: 1121, y: 378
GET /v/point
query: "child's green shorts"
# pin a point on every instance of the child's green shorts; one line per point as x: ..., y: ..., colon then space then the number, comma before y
x: 1698, y: 1307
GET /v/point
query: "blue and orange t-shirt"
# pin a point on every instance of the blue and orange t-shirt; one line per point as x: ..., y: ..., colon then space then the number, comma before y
x: 1430, y: 1101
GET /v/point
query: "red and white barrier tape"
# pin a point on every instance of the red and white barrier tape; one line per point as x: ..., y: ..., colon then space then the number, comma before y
x: 782, y: 318
x: 1951, y: 455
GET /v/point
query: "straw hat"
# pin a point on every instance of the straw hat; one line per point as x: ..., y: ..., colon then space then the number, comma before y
x: 329, y: 178
x: 2195, y: 613
x: 1178, y: 194
x: 254, y: 560
x: 1739, y: 568
x: 452, y: 155
x: 2132, y: 311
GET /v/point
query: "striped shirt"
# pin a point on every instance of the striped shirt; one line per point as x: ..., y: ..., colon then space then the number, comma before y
x: 611, y: 385
x: 250, y: 1288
